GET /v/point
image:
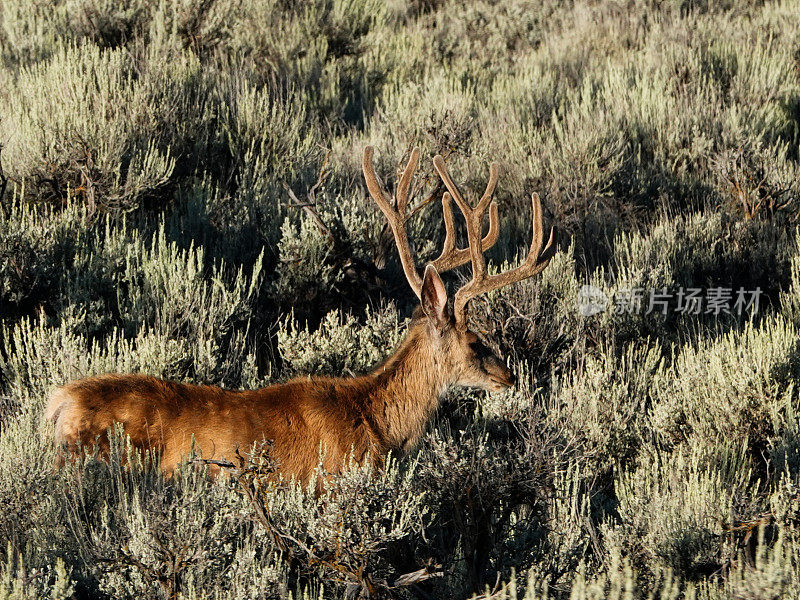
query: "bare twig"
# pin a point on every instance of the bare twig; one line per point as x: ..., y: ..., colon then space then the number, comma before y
x: 248, y: 475
x: 310, y: 208
x: 3, y: 184
x: 224, y: 464
x: 429, y: 571
x: 323, y: 175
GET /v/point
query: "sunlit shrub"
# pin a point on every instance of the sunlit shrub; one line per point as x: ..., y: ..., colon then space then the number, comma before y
x: 185, y: 198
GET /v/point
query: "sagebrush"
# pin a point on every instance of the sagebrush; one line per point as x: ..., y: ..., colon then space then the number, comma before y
x: 185, y: 199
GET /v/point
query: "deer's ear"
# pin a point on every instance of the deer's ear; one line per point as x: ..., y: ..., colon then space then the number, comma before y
x: 434, y: 298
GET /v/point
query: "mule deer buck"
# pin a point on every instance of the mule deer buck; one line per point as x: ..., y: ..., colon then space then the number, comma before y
x: 369, y: 416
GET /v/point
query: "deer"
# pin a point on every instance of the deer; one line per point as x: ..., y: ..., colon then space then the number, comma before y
x: 363, y: 418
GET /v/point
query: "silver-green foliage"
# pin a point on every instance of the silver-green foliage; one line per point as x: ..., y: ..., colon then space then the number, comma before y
x: 141, y: 534
x: 340, y: 344
x: 148, y: 227
x: 347, y: 534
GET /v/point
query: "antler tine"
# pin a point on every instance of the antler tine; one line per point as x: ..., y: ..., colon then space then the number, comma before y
x: 452, y: 257
x: 449, y: 230
x: 404, y: 186
x: 396, y: 217
x: 537, y: 259
x: 487, y: 195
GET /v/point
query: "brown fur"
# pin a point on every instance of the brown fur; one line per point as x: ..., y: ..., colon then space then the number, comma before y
x: 384, y: 411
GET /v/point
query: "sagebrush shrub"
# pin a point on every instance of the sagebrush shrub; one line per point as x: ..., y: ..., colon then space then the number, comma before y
x: 185, y: 199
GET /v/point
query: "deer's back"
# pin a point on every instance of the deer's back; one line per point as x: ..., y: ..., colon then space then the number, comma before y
x: 170, y: 417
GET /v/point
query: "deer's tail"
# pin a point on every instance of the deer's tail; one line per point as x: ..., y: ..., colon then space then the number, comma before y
x: 58, y: 407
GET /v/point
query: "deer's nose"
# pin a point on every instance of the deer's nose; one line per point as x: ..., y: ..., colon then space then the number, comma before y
x: 504, y: 378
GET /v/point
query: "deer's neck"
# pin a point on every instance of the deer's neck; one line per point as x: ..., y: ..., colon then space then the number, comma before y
x: 408, y: 386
